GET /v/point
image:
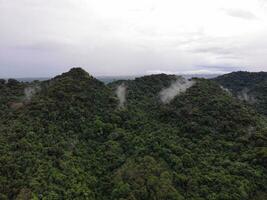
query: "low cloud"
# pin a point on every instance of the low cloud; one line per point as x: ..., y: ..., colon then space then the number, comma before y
x: 226, y: 90
x: 29, y: 92
x: 121, y: 94
x: 179, y: 86
x: 245, y: 96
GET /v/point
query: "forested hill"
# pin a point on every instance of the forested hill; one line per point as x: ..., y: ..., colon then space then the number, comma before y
x: 73, y: 137
x: 250, y: 87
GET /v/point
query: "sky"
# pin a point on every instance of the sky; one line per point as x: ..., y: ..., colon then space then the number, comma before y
x: 43, y: 38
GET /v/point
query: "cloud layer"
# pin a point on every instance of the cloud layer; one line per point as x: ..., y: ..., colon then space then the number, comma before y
x: 124, y: 37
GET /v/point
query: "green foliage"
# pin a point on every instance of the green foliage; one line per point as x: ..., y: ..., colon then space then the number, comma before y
x: 72, y: 142
x: 144, y: 178
x: 253, y: 84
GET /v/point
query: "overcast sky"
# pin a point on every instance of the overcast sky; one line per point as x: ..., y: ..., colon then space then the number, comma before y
x: 126, y: 37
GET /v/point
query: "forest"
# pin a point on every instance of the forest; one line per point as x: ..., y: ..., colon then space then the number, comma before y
x: 157, y: 137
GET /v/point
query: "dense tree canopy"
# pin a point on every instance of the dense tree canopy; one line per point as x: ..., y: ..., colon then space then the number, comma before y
x: 250, y: 87
x: 72, y: 141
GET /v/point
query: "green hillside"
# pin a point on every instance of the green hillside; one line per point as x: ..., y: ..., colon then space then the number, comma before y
x: 250, y: 87
x: 71, y: 140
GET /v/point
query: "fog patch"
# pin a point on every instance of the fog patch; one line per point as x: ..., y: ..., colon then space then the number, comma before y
x: 121, y: 94
x: 245, y: 96
x: 30, y: 91
x: 226, y: 90
x: 179, y: 86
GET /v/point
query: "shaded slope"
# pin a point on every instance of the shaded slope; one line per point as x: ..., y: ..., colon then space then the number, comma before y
x: 248, y: 86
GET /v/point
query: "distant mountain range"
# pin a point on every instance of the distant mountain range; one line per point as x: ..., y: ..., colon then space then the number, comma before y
x: 109, y: 79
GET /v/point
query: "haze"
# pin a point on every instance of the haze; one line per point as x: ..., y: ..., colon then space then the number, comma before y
x: 42, y: 38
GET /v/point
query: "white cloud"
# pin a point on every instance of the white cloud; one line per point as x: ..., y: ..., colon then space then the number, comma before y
x: 243, y: 14
x: 42, y: 38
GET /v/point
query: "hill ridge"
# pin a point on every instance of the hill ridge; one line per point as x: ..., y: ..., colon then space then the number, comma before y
x: 72, y: 141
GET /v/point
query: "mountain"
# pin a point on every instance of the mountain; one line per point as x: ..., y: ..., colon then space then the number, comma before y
x: 250, y: 87
x: 154, y: 137
x: 110, y: 79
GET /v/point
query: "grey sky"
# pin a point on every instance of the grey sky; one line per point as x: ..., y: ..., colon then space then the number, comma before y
x: 125, y: 37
